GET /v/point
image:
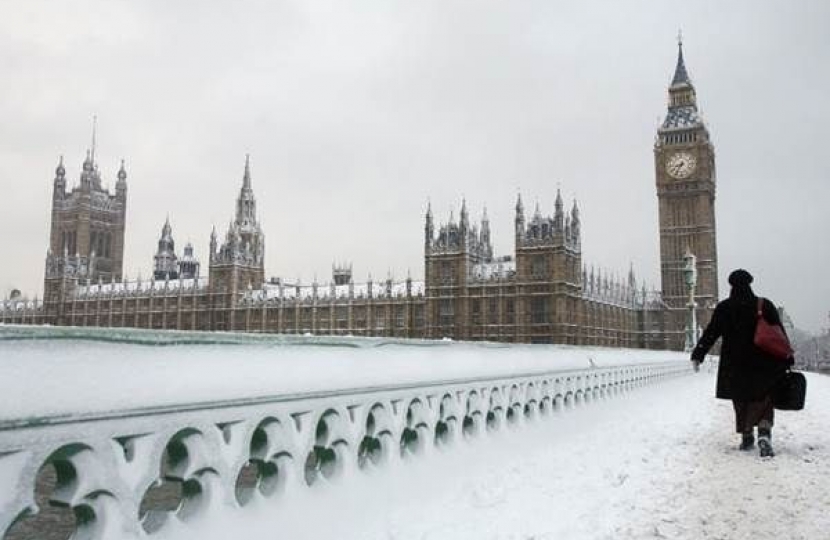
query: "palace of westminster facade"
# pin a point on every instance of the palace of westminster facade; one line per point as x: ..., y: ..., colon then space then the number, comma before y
x: 541, y: 294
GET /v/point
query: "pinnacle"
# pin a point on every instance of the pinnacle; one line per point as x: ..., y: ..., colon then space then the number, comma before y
x: 246, y: 178
x: 681, y: 76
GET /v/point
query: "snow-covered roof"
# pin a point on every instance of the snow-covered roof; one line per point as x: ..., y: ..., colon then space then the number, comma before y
x: 494, y: 270
x: 140, y: 286
x: 308, y: 293
x: 20, y: 304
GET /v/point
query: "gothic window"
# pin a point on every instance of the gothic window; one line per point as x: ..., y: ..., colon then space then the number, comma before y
x: 323, y: 318
x: 380, y: 318
x: 342, y: 314
x: 446, y: 314
x: 510, y: 308
x: 419, y: 316
x: 305, y: 319
x: 475, y: 308
x: 538, y: 268
x: 446, y: 273
x: 399, y: 316
x: 359, y: 316
x: 538, y: 310
x: 492, y: 310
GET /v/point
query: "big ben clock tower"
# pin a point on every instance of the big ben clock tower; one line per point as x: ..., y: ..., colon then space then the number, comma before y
x: 684, y: 161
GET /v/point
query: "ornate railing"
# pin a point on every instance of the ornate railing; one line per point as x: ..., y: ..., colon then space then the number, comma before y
x: 130, y: 473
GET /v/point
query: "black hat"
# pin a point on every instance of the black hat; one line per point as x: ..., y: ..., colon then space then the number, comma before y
x: 740, y: 278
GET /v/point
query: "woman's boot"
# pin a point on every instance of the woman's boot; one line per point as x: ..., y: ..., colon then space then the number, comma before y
x: 765, y: 442
x: 747, y: 441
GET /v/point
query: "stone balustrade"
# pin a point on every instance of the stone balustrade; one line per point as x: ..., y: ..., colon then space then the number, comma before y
x: 130, y: 473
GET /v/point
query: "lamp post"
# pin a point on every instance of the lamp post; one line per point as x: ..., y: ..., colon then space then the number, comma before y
x: 690, y: 277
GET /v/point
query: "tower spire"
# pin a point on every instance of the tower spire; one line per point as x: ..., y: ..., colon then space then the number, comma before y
x: 246, y: 179
x: 681, y: 76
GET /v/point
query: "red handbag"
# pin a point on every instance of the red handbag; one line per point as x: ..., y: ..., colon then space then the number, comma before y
x: 771, y: 338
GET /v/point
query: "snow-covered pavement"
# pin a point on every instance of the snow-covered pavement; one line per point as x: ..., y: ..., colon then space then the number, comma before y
x: 659, y: 462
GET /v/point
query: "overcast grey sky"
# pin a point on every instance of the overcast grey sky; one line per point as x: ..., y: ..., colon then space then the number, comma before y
x: 356, y: 113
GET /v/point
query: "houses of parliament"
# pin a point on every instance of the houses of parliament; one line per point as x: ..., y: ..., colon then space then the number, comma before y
x: 542, y: 293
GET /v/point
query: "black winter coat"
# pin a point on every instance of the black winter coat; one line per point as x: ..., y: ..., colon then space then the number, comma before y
x: 745, y: 372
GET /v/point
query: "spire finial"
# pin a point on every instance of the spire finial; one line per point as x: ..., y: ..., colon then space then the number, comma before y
x: 246, y: 179
x: 680, y: 38
x: 94, y: 129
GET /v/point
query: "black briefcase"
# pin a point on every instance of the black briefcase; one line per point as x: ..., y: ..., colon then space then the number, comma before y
x: 790, y: 392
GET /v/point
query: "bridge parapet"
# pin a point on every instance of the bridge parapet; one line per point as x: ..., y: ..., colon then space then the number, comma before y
x: 130, y: 472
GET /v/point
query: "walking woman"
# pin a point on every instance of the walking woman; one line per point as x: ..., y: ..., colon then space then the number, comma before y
x: 746, y: 375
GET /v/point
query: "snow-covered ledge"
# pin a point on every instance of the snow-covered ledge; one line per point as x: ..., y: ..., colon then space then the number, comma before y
x: 139, y: 437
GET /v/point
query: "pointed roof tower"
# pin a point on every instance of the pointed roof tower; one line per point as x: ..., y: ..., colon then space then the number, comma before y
x: 246, y: 177
x: 682, y: 110
x: 246, y: 203
x: 429, y: 227
x: 681, y: 76
x: 166, y: 230
x: 559, y: 214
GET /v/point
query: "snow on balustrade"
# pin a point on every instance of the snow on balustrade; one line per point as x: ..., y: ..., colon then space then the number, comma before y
x: 141, y: 438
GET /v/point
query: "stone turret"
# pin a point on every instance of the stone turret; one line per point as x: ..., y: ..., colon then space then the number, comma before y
x: 165, y: 261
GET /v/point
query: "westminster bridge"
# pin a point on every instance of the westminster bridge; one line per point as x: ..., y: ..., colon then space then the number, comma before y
x: 109, y: 433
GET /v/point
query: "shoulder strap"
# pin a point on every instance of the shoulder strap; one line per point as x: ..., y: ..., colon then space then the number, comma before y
x: 760, y: 307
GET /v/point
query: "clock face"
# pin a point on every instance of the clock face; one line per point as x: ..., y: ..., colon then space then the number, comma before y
x: 681, y: 164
